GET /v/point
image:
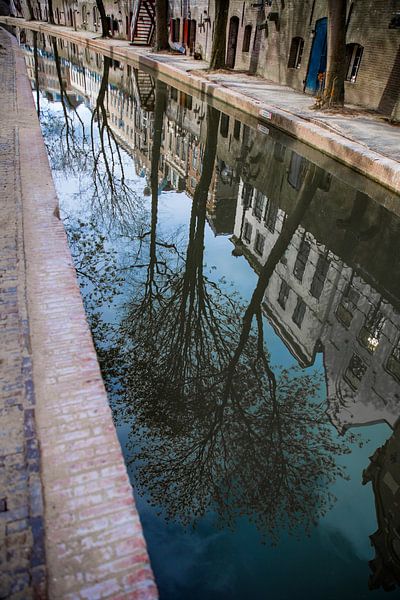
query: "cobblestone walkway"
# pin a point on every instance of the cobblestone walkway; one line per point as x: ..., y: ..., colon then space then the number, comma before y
x: 83, y: 539
x: 21, y: 507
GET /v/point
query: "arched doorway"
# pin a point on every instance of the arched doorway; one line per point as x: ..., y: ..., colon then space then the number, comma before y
x: 232, y: 42
x: 317, y: 62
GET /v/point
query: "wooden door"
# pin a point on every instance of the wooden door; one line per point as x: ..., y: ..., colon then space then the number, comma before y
x: 232, y: 42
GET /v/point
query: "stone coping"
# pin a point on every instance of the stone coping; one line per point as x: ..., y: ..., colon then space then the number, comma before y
x: 356, y: 155
x: 93, y: 536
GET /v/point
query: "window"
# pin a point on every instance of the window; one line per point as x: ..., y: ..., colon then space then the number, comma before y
x: 325, y: 181
x: 174, y: 94
x: 321, y: 271
x: 271, y: 215
x: 297, y: 169
x: 185, y: 100
x: 296, y: 53
x: 283, y: 294
x: 175, y: 29
x: 236, y: 130
x: 247, y: 195
x: 258, y: 205
x: 301, y: 260
x: 354, y: 54
x: 355, y: 371
x: 247, y: 231
x: 393, y: 363
x: 259, y: 243
x: 279, y: 152
x: 348, y: 303
x: 246, y: 38
x: 371, y: 331
x: 224, y: 127
x: 194, y: 157
x: 299, y: 312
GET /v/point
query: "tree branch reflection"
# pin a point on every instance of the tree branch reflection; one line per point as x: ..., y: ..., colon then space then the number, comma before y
x: 214, y: 428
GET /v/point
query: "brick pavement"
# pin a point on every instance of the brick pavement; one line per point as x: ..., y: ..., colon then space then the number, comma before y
x: 92, y: 532
x: 21, y: 507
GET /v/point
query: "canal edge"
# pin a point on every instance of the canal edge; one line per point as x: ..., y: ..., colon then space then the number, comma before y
x: 353, y: 154
x: 93, y: 535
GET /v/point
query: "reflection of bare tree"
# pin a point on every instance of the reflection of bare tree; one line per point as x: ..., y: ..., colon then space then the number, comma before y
x: 111, y: 189
x: 220, y: 431
x: 71, y: 152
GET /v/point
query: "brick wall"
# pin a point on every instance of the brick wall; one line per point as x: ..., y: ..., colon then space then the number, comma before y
x: 378, y: 81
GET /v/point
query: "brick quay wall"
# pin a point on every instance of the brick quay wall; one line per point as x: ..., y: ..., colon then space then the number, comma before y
x: 93, y: 541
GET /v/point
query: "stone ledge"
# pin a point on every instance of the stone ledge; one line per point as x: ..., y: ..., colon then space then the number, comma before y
x: 89, y: 558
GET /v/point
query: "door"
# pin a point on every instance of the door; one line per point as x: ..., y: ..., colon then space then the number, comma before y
x: 232, y: 42
x: 192, y: 35
x: 317, y: 62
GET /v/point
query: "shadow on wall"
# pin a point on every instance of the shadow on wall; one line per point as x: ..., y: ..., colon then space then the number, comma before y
x: 391, y: 92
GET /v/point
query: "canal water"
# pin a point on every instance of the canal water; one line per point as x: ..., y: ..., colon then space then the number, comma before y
x: 243, y: 293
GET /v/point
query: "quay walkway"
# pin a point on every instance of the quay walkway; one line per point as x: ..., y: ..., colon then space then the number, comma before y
x: 360, y: 139
x: 68, y: 523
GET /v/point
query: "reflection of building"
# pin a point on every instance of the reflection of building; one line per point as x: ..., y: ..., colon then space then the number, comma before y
x: 129, y: 103
x: 330, y: 291
x: 317, y: 302
x: 384, y: 473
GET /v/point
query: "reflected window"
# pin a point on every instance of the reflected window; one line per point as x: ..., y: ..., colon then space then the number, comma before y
x: 371, y: 331
x: 301, y: 260
x: 247, y: 195
x: 247, y: 231
x: 194, y: 157
x: 259, y: 243
x: 325, y: 181
x: 271, y: 216
x: 279, y: 152
x: 185, y: 100
x: 348, y: 304
x: 355, y: 371
x: 224, y: 127
x: 258, y: 205
x: 299, y: 312
x: 393, y: 363
x: 296, y: 53
x: 283, y: 294
x: 321, y: 271
x: 354, y: 54
x: 297, y: 170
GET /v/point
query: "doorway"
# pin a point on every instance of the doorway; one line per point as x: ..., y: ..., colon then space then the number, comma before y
x: 232, y: 42
x: 317, y: 62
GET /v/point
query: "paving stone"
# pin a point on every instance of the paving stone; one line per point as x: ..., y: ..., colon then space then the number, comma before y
x: 69, y: 526
x: 17, y: 410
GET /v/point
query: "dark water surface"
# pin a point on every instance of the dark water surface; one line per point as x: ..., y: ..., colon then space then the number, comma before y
x: 243, y: 292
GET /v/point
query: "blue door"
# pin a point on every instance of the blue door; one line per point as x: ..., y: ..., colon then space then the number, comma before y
x: 317, y: 63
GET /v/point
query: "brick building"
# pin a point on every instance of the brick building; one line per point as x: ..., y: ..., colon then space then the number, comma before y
x: 286, y: 42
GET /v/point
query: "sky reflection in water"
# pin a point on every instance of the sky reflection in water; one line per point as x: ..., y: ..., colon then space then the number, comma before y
x: 241, y: 297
